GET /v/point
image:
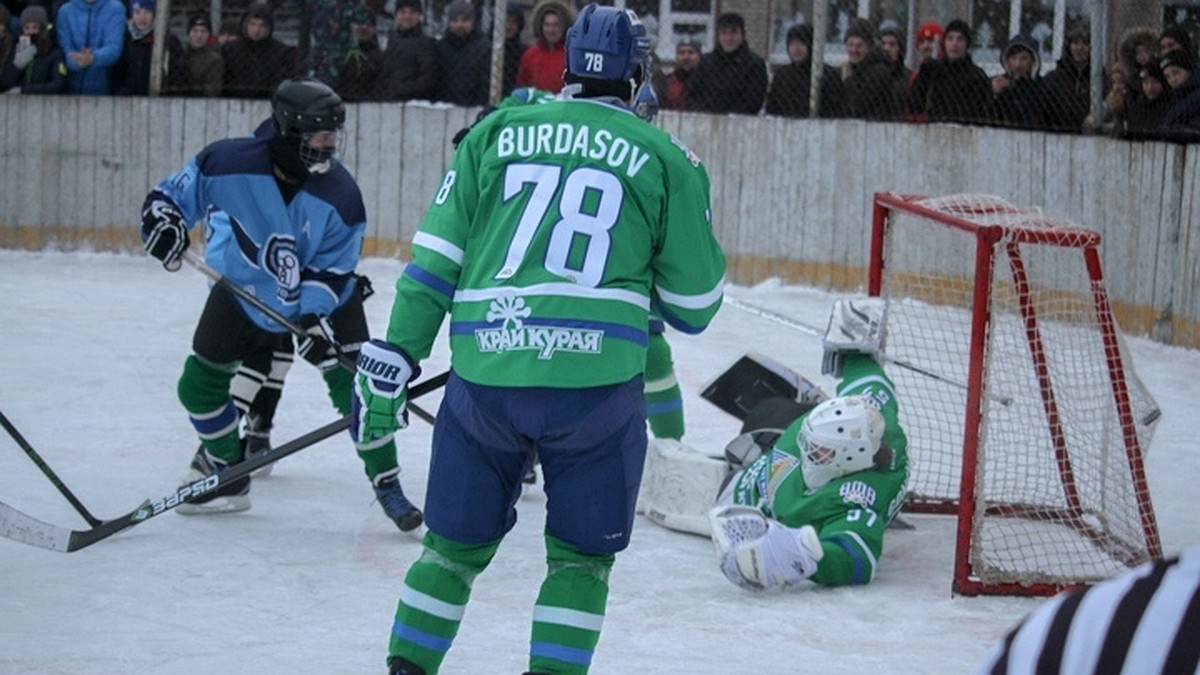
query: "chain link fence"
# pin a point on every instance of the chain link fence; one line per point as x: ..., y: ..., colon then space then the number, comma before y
x: 880, y: 65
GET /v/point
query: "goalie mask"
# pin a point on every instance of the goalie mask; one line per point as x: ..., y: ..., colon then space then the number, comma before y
x: 307, y: 117
x: 839, y: 437
x: 607, y: 43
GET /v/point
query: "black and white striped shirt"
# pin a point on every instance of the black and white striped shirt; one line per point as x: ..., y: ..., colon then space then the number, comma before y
x: 1144, y: 621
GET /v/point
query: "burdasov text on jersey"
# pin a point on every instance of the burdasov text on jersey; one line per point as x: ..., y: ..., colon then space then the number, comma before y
x: 567, y: 139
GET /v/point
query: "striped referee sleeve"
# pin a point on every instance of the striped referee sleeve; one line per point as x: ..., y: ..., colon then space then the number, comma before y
x: 1144, y: 621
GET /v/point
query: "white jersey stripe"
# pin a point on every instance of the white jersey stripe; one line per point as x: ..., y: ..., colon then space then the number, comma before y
x: 553, y: 289
x: 439, y: 245
x: 701, y: 301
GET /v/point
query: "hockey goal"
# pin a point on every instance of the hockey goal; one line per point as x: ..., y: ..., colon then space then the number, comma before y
x: 1023, y: 413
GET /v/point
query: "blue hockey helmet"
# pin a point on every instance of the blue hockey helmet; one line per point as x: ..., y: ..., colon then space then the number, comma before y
x: 606, y: 43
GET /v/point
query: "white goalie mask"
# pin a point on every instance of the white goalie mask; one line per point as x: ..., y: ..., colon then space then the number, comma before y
x: 839, y: 437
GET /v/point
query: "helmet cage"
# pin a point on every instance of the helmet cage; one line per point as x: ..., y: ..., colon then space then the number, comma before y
x: 839, y: 437
x: 307, y: 111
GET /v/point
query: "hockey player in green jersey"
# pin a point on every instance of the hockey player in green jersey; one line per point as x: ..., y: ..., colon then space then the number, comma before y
x: 556, y: 231
x: 815, y: 505
x: 664, y: 399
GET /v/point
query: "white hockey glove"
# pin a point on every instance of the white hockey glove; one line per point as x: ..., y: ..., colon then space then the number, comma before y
x: 379, y: 400
x: 759, y: 553
x: 164, y: 233
x: 318, y: 346
x: 856, y: 326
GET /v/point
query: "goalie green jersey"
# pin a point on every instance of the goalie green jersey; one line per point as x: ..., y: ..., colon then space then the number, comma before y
x: 849, y: 513
x: 556, y: 231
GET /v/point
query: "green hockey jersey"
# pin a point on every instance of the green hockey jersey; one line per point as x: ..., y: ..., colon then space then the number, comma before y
x: 850, y: 513
x: 555, y: 232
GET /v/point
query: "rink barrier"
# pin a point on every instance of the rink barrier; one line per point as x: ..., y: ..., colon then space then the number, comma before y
x: 791, y: 198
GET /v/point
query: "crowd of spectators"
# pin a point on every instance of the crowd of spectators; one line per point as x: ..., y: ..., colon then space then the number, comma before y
x: 1153, y: 91
x: 1152, y: 87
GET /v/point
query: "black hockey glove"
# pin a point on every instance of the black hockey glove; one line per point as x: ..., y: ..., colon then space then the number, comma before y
x: 318, y: 347
x: 164, y: 234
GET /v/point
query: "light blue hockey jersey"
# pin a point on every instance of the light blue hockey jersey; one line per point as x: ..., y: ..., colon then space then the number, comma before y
x: 298, y: 257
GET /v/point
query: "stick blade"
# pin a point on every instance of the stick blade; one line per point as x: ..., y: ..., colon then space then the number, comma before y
x: 29, y: 530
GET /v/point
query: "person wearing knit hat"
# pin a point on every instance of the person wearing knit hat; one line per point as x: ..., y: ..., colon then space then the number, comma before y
x: 951, y: 88
x: 408, y: 69
x: 1183, y: 113
x: 131, y: 76
x: 961, y: 28
x: 1067, y: 87
x: 678, y: 82
x: 464, y: 59
x: 200, y: 19
x: 930, y: 41
x: 791, y: 88
x: 201, y: 62
x: 892, y: 42
x: 1175, y: 37
x: 1177, y: 65
x: 1145, y: 113
x: 33, y: 14
x: 256, y: 63
x: 460, y: 9
x: 38, y: 65
x: 731, y: 78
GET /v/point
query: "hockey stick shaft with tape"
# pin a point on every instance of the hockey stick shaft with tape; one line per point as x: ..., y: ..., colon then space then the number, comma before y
x: 26, y: 529
x: 47, y: 471
x: 220, y: 280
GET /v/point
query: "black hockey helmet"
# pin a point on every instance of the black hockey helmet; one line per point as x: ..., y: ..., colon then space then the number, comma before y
x: 300, y: 108
x: 305, y: 105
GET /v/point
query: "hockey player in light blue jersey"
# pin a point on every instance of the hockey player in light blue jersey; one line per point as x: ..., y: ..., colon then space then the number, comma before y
x: 285, y: 221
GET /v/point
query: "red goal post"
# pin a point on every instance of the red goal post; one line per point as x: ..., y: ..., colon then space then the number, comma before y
x: 1023, y: 413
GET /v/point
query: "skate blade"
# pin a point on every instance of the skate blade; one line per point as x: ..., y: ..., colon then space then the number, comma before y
x: 218, y: 505
x: 263, y: 472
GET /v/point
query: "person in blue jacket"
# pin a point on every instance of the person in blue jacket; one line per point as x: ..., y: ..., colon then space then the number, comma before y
x: 92, y: 36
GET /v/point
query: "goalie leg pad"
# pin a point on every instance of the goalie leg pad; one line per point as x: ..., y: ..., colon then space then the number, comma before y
x: 679, y: 485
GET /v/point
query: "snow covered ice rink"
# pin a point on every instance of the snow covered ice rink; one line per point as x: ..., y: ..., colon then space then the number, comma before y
x: 91, y: 346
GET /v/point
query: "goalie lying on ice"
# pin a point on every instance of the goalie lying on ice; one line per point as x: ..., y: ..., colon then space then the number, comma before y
x: 814, y: 500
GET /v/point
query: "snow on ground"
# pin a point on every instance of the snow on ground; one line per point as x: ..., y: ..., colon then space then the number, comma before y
x: 91, y: 346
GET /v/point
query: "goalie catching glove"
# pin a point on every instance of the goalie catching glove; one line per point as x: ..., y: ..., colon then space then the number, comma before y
x: 163, y: 232
x: 379, y: 405
x: 318, y: 346
x: 856, y: 326
x: 759, y: 553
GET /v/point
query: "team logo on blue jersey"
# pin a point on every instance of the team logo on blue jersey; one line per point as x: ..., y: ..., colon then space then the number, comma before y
x: 280, y: 260
x: 514, y: 335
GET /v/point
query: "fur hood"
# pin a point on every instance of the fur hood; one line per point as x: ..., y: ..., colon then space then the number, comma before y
x: 1127, y: 47
x: 543, y: 6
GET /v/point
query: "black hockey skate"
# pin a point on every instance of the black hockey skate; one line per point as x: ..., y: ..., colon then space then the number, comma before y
x: 256, y: 439
x: 402, y: 666
x: 397, y: 507
x: 228, y: 498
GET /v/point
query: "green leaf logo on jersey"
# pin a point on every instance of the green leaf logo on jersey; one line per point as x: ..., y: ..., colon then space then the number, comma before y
x: 514, y: 335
